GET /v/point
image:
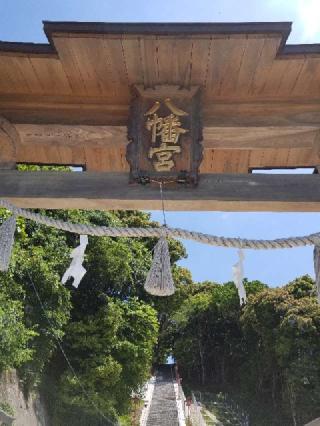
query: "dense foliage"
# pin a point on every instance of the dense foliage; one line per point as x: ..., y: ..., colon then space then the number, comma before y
x: 107, y: 327
x: 111, y: 351
x: 266, y: 354
x: 15, y: 336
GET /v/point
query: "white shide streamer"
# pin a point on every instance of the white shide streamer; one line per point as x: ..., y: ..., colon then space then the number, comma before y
x: 76, y: 269
x: 238, y: 275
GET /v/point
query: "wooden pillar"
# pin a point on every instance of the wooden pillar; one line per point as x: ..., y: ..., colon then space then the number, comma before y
x: 316, y: 152
x: 9, y: 140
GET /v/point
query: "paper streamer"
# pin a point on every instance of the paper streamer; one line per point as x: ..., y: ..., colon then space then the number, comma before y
x: 76, y: 270
x: 238, y: 273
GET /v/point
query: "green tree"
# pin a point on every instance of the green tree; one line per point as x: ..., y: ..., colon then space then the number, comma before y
x: 282, y: 329
x: 112, y: 354
x: 14, y: 335
x: 39, y: 257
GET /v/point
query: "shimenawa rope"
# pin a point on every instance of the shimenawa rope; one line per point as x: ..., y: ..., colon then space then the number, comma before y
x: 104, y: 231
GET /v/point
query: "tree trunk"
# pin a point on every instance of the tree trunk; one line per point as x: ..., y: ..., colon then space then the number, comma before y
x: 202, y: 366
x: 274, y: 401
x: 292, y: 401
x: 223, y: 370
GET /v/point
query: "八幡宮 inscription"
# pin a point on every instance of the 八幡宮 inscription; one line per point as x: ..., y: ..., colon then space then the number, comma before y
x: 168, y: 129
x: 165, y: 135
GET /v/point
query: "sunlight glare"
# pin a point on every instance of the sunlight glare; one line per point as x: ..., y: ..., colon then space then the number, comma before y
x: 309, y: 13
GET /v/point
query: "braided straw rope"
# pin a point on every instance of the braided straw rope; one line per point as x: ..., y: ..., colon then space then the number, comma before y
x: 104, y: 231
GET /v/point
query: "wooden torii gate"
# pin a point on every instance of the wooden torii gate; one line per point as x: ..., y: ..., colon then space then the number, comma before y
x: 76, y: 100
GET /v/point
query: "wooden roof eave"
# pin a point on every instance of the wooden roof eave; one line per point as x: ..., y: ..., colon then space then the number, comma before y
x: 189, y: 29
x: 38, y: 50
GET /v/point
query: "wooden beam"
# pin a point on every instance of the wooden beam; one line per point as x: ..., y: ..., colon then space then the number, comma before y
x: 45, y: 135
x: 253, y: 138
x: 224, y: 192
x: 62, y: 110
x: 217, y: 112
x: 34, y: 136
x: 226, y: 149
x: 260, y: 113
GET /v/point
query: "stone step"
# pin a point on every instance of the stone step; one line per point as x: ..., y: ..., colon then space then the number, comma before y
x: 163, y: 410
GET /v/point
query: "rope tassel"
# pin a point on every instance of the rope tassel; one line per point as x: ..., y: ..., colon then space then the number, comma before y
x: 238, y: 273
x: 159, y: 280
x: 316, y: 260
x: 7, y: 231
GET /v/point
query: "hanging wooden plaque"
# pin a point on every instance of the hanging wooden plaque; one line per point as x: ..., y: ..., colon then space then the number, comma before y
x: 165, y: 135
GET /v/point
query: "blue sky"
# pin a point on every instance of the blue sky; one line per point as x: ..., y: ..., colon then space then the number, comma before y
x: 21, y: 20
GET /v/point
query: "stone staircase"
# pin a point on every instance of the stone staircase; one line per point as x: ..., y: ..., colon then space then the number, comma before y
x: 163, y: 410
